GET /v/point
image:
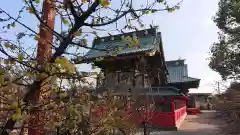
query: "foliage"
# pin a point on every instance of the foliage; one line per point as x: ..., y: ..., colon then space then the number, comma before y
x: 36, y: 88
x: 225, y: 53
x: 228, y: 106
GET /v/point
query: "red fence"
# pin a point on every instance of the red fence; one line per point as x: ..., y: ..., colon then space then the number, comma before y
x: 179, y: 113
x: 157, y: 118
x: 161, y: 118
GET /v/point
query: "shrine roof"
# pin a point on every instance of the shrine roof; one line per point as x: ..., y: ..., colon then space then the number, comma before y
x: 178, y: 72
x: 106, y: 46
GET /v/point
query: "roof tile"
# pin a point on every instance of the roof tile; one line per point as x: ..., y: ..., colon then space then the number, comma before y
x: 146, y: 43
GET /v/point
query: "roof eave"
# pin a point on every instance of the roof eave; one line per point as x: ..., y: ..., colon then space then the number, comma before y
x: 88, y: 60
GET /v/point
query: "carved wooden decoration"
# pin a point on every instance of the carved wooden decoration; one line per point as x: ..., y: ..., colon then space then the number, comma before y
x: 139, y: 81
x: 146, y: 80
x: 125, y: 78
x: 111, y: 80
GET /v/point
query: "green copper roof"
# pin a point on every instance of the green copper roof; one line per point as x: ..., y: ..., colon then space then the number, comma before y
x: 147, y: 42
x: 178, y: 72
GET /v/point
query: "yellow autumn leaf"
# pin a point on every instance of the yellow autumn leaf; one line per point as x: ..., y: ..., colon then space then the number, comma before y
x: 18, y: 110
x: 117, y: 49
x: 60, y: 60
x: 63, y: 95
x: 65, y: 64
x: 2, y: 71
x: 135, y: 41
x: 99, y: 59
x: 30, y: 10
x: 36, y: 37
x: 104, y: 3
x: 16, y: 116
x: 70, y: 108
x: 14, y: 105
x: 77, y: 33
x: 114, y: 55
x: 1, y: 79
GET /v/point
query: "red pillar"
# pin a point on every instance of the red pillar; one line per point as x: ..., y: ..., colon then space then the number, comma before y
x: 172, y: 104
x: 173, y: 110
x: 44, y: 52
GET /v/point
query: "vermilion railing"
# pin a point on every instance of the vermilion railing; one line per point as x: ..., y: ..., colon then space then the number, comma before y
x: 155, y: 118
x: 163, y: 119
x: 179, y: 113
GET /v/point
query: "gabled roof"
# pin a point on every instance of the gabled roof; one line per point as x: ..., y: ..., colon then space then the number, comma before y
x: 178, y: 72
x: 106, y: 46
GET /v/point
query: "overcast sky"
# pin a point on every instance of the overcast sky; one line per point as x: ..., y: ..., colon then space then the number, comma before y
x: 187, y: 33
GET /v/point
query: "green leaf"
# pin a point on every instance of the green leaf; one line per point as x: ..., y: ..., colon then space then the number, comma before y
x: 1, y: 79
x: 36, y: 37
x: 6, y: 44
x: 65, y: 21
x: 63, y: 95
x: 2, y: 71
x: 99, y: 59
x: 20, y: 57
x: 160, y: 1
x: 129, y: 46
x: 170, y: 10
x: 114, y: 55
x: 37, y: 1
x: 146, y: 11
x: 117, y: 49
x: 55, y: 90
